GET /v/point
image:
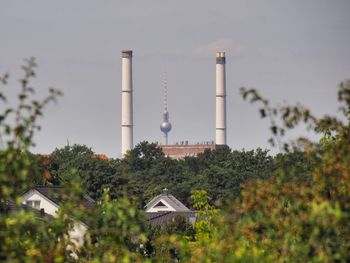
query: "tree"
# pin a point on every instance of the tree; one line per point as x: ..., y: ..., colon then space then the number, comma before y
x: 23, y: 236
x: 283, y: 219
x: 95, y: 173
x: 27, y: 237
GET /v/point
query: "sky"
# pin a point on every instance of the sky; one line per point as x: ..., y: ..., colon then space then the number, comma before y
x: 294, y: 51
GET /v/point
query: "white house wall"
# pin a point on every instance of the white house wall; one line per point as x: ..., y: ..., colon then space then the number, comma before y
x: 45, y: 203
x: 77, y: 234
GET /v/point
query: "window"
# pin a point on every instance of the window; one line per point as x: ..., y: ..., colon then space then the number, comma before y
x: 34, y: 204
x: 160, y: 204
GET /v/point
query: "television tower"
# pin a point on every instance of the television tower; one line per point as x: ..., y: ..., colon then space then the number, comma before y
x: 165, y: 125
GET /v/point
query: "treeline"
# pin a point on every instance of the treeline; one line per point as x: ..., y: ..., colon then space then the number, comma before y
x: 145, y: 171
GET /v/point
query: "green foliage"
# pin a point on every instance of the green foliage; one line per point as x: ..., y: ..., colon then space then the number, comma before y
x: 294, y: 166
x: 115, y: 231
x: 290, y: 117
x: 26, y: 235
x: 95, y: 173
x: 23, y: 236
x: 143, y: 156
x: 17, y: 129
x: 294, y: 207
x: 176, y: 241
x: 161, y: 238
x: 300, y: 214
x: 145, y: 171
x: 26, y: 238
x: 277, y: 221
x: 206, y: 212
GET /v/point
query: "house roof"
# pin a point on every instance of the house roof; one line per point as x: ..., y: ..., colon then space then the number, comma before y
x: 56, y: 195
x: 170, y: 199
x: 162, y: 218
x: 11, y: 207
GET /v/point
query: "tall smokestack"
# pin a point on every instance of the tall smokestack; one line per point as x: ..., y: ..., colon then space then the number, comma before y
x: 220, y: 138
x: 127, y: 107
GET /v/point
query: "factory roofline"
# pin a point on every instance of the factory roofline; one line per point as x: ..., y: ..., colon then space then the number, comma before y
x: 180, y: 151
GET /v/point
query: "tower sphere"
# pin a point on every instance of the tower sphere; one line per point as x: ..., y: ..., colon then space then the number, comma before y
x: 165, y: 127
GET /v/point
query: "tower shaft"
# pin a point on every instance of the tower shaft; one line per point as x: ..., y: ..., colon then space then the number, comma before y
x: 220, y: 137
x: 127, y: 102
x: 166, y: 138
x: 165, y: 125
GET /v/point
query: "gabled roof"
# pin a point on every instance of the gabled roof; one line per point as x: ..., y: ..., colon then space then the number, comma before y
x: 56, y: 195
x: 168, y: 198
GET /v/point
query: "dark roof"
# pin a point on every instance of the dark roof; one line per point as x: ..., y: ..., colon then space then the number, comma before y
x: 162, y: 218
x: 11, y: 207
x: 56, y: 194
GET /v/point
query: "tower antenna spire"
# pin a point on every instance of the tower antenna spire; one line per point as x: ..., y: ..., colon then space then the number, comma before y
x: 165, y: 125
x: 165, y: 84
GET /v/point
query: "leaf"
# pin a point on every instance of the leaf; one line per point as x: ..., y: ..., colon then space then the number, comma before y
x: 30, y: 90
x: 22, y: 96
x: 7, y: 129
x: 24, y: 82
x: 244, y: 92
x: 2, y: 97
x: 286, y: 113
x: 262, y: 113
x: 274, y: 130
x: 8, y: 111
x: 282, y: 132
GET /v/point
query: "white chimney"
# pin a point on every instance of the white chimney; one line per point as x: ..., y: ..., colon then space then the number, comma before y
x: 127, y: 106
x: 220, y: 99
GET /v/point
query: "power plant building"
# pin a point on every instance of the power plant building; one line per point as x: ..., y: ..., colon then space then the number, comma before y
x: 180, y: 151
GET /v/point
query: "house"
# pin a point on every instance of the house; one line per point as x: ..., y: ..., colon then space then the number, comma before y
x: 165, y: 208
x: 47, y: 200
x: 162, y: 209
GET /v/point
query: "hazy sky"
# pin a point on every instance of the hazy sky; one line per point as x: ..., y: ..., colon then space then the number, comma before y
x: 297, y: 50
